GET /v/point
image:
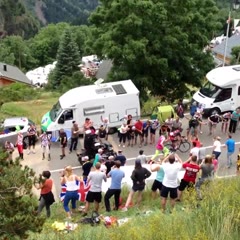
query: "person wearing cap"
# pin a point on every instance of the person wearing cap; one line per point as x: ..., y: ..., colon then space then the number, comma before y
x: 88, y: 144
x: 139, y: 175
x: 86, y: 168
x: 121, y: 158
x: 116, y: 175
x: 98, y: 156
x: 217, y: 147
x: 142, y: 156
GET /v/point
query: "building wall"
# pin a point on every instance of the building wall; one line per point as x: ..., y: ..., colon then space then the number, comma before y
x: 4, y: 81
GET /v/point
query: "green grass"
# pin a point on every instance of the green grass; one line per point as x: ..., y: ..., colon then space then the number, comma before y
x: 33, y: 109
x: 217, y: 216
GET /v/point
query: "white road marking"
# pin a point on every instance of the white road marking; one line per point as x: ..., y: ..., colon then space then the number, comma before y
x: 148, y: 156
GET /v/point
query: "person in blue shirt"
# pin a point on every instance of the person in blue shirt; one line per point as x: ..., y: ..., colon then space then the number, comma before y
x: 193, y: 109
x: 230, y: 144
x: 115, y: 188
x: 234, y: 120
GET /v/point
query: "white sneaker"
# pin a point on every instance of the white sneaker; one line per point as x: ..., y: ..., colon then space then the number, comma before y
x: 124, y: 209
x: 123, y: 145
x: 119, y: 145
x: 28, y: 152
x: 33, y: 152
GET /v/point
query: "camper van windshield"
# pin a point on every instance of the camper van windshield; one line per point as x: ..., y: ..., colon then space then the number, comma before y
x: 210, y: 90
x: 55, y: 111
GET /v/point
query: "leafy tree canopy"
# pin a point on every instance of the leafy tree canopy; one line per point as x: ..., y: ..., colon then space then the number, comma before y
x: 158, y: 43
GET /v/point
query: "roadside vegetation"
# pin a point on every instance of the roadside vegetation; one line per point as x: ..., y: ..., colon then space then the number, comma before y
x: 215, y: 217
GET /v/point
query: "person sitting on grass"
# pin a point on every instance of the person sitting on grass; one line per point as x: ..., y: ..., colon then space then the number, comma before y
x: 138, y: 176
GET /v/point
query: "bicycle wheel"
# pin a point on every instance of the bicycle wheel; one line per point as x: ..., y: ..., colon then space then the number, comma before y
x: 169, y: 146
x: 184, y: 146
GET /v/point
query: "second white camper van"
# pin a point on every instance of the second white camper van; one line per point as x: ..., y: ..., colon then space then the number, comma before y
x: 221, y: 93
x: 111, y: 100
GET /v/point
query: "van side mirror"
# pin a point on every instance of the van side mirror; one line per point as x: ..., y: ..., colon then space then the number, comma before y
x: 61, y: 120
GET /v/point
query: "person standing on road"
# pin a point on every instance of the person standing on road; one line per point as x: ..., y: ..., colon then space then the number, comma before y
x: 234, y: 120
x: 213, y: 120
x: 74, y: 137
x: 217, y: 147
x: 225, y: 121
x: 32, y: 134
x: 45, y: 145
x: 19, y: 144
x: 146, y: 128
x: 121, y: 158
x: 138, y: 177
x: 86, y: 168
x: 109, y: 164
x: 123, y: 134
x: 63, y: 142
x: 115, y: 188
x: 154, y: 126
x: 230, y: 144
x: 139, y: 132
x: 9, y: 148
x: 142, y: 156
x: 95, y: 193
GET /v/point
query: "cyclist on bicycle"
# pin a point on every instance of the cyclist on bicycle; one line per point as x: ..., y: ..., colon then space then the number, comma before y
x: 175, y: 137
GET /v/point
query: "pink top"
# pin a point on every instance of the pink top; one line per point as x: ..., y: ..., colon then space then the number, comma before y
x: 215, y: 163
x: 160, y: 141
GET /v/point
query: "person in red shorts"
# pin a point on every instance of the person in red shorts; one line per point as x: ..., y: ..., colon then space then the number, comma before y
x: 189, y: 178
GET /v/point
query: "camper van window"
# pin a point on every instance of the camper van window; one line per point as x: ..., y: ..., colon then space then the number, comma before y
x: 210, y: 90
x: 55, y: 111
x: 225, y: 94
x: 93, y: 110
x: 68, y: 115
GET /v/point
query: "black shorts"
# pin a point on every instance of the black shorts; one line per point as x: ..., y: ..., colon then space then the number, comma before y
x: 63, y: 145
x: 184, y: 184
x: 156, y: 186
x: 94, y: 196
x: 166, y: 190
x: 138, y: 187
x: 138, y: 133
x: 32, y: 140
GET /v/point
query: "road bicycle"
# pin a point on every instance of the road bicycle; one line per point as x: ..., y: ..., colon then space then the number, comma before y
x: 183, y: 146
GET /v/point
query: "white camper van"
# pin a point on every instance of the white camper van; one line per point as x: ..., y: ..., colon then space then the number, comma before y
x: 221, y: 93
x: 111, y: 100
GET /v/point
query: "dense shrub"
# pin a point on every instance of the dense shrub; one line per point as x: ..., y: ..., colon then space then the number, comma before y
x: 17, y: 92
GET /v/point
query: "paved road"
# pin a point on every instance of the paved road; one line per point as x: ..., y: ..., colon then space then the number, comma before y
x: 56, y: 165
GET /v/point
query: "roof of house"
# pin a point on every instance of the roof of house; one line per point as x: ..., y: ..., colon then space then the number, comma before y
x: 104, y: 69
x: 13, y: 73
x: 233, y: 41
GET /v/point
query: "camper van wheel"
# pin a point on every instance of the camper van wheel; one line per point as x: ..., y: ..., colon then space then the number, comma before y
x: 112, y: 130
x: 215, y: 111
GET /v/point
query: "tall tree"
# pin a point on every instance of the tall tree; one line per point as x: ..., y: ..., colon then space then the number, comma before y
x: 157, y: 43
x: 68, y: 59
x: 17, y: 205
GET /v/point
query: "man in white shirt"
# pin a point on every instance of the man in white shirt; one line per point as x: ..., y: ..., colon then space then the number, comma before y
x: 170, y: 180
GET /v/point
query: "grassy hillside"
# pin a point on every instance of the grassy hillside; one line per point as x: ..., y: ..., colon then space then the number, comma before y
x: 34, y: 109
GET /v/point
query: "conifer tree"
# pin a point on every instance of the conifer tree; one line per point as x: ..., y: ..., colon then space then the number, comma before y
x: 68, y: 59
x: 17, y: 204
